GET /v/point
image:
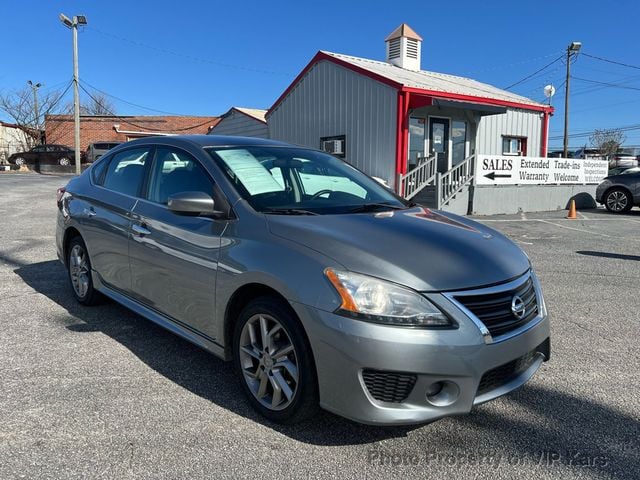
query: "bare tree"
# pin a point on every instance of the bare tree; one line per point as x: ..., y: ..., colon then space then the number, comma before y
x: 19, y: 106
x: 98, y: 104
x: 607, y: 141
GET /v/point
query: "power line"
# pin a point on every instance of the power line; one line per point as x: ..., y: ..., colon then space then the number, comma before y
x: 627, y: 128
x: 123, y: 119
x: 607, y: 84
x: 131, y: 103
x: 189, y: 57
x: 534, y: 73
x: 611, y: 61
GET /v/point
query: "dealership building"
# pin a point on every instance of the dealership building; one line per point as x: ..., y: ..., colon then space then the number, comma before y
x: 426, y: 134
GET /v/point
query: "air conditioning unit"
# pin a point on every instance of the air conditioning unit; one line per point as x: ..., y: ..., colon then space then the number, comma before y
x: 335, y: 147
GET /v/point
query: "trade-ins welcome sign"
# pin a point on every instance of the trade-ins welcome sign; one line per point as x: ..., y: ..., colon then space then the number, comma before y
x: 512, y: 170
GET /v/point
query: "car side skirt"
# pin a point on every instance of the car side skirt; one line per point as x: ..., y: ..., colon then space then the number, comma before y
x: 165, y: 322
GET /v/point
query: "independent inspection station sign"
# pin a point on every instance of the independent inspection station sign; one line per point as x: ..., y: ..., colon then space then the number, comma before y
x: 512, y: 170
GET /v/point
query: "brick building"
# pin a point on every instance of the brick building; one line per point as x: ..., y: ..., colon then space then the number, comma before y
x: 101, y: 128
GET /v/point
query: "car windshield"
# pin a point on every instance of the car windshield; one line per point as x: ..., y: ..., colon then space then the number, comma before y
x: 297, y: 181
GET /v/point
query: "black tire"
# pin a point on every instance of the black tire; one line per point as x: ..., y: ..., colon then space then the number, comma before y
x: 87, y: 295
x: 618, y: 200
x: 304, y: 401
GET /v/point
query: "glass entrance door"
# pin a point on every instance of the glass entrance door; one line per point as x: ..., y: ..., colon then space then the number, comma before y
x: 439, y: 142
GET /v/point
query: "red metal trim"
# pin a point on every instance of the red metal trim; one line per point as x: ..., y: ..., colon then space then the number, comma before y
x: 382, y: 79
x: 324, y: 56
x: 479, y: 100
x: 545, y: 133
x: 402, y: 134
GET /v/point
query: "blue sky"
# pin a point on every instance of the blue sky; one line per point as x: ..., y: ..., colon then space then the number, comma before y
x: 201, y: 57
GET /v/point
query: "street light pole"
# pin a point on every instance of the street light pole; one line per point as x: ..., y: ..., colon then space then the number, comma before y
x: 574, y: 47
x: 35, y: 88
x: 73, y: 25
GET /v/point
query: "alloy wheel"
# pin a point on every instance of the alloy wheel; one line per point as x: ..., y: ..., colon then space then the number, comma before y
x: 65, y: 162
x: 268, y: 361
x: 20, y: 161
x: 617, y: 201
x: 79, y: 270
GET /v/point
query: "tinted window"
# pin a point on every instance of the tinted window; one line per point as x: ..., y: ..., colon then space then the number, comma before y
x: 126, y: 170
x: 97, y: 171
x: 277, y: 178
x: 38, y: 149
x: 175, y: 171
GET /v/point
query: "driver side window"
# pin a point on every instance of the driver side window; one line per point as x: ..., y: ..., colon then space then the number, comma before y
x: 175, y: 171
x: 316, y: 179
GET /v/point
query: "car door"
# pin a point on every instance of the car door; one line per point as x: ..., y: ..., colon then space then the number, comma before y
x: 174, y: 258
x: 105, y: 215
x: 34, y: 155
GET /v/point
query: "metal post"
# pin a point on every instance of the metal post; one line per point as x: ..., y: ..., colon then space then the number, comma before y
x: 76, y: 97
x: 35, y: 109
x: 566, y: 105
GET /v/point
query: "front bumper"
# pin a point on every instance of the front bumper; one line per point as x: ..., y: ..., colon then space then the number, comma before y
x: 344, y: 349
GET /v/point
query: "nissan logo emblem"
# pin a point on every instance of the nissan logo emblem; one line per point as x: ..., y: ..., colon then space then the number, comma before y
x: 517, y: 307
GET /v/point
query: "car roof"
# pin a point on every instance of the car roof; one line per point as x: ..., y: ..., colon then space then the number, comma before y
x: 208, y: 141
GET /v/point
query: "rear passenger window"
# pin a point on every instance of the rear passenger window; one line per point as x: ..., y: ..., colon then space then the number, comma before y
x: 97, y: 171
x: 175, y: 171
x: 126, y: 170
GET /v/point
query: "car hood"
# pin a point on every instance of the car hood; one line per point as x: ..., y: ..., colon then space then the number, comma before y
x: 416, y: 247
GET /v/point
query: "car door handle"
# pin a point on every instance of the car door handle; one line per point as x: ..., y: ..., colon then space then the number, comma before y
x: 89, y: 212
x: 140, y: 230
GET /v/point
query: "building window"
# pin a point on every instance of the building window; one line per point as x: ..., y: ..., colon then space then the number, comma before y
x: 459, y: 141
x: 514, y: 145
x: 417, y: 132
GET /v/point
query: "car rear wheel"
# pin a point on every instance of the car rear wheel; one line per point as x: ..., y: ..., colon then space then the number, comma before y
x: 20, y: 161
x: 79, y: 269
x: 618, y: 201
x: 274, y: 363
x: 64, y: 161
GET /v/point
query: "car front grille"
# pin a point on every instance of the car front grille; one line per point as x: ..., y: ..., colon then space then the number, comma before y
x: 392, y: 387
x: 503, y: 374
x: 494, y: 309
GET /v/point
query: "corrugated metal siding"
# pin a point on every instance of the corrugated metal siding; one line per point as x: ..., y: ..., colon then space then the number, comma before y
x: 240, y: 124
x: 332, y: 100
x: 519, y: 123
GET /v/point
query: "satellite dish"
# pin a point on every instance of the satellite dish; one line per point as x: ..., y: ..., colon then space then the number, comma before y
x: 549, y: 91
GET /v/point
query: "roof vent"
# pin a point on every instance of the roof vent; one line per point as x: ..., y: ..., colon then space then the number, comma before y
x: 403, y: 48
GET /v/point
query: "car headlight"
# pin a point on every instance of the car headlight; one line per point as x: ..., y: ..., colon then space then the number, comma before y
x: 374, y: 300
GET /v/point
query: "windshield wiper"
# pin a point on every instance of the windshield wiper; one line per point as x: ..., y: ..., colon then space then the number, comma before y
x: 289, y: 211
x: 373, y: 207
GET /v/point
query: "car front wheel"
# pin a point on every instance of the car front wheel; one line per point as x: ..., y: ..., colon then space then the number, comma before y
x: 618, y: 201
x: 20, y: 161
x: 273, y: 360
x: 64, y: 161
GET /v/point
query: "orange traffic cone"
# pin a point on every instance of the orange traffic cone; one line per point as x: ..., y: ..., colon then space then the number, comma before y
x: 572, y: 210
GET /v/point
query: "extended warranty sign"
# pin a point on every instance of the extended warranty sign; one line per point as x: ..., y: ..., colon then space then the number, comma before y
x: 516, y: 170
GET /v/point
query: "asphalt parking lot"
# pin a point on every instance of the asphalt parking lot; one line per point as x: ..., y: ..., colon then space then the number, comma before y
x: 100, y: 392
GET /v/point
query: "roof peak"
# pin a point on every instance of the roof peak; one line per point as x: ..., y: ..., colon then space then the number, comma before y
x: 403, y: 30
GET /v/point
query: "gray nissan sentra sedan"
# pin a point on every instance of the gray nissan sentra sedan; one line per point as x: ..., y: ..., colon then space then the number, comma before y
x: 323, y: 287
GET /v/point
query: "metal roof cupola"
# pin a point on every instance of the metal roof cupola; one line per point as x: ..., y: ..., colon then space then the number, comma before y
x: 403, y: 48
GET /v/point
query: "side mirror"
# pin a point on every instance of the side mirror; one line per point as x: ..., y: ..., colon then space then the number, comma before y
x: 192, y: 203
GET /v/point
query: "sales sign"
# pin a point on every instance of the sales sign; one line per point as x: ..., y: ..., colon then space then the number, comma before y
x: 513, y: 170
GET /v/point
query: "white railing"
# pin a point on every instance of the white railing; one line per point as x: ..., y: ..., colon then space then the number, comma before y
x: 454, y: 180
x: 410, y: 183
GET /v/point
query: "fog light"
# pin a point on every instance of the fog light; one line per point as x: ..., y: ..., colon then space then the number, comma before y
x: 434, y: 389
x: 443, y: 393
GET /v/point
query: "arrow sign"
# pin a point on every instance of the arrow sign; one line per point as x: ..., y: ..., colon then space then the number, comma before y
x: 494, y: 175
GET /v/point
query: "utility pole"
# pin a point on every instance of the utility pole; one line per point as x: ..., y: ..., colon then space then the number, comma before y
x: 35, y: 109
x: 574, y: 47
x: 73, y: 25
